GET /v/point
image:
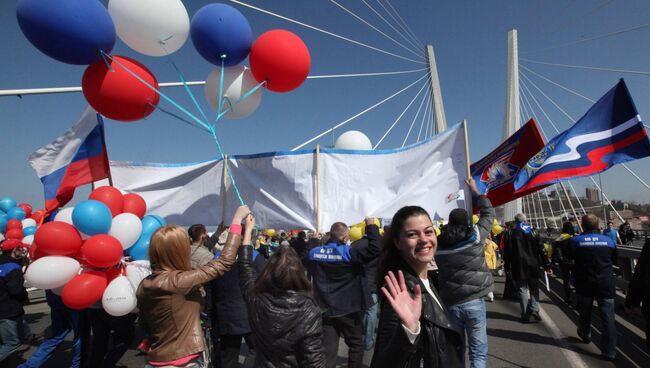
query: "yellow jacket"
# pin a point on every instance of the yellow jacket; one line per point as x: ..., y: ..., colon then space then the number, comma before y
x: 491, y: 254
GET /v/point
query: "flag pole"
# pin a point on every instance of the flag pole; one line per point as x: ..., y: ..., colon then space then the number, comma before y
x: 470, y: 206
x: 318, y: 188
x: 571, y: 204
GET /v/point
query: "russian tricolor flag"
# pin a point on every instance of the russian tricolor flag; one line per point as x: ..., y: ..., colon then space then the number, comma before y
x: 76, y: 158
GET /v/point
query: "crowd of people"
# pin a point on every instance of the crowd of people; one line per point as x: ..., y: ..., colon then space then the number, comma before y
x: 416, y: 297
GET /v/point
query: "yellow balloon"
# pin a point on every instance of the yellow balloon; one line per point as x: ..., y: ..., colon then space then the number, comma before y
x: 356, y: 233
x: 437, y: 231
x: 474, y: 219
x: 496, y: 229
x: 495, y: 222
x: 269, y: 232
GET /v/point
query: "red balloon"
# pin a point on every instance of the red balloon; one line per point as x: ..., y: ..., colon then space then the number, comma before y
x: 35, y: 253
x: 113, y: 272
x: 84, y: 290
x: 111, y: 197
x: 281, y: 59
x: 102, y: 251
x: 14, y: 224
x: 14, y: 234
x: 27, y: 207
x: 58, y: 238
x: 38, y: 216
x: 135, y: 204
x: 116, y: 93
x: 9, y: 244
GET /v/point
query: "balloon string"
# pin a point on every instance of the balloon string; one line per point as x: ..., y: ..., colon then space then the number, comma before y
x: 180, y: 118
x: 223, y: 63
x: 164, y: 96
x: 228, y: 171
x: 242, y: 98
x: 182, y: 78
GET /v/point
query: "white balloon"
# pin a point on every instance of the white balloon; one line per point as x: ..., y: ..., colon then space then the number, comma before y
x: 65, y: 215
x: 52, y: 271
x: 237, y: 81
x: 126, y: 228
x: 144, y: 24
x: 29, y: 239
x: 28, y: 222
x: 353, y: 140
x: 2, y: 237
x: 136, y: 271
x: 119, y: 297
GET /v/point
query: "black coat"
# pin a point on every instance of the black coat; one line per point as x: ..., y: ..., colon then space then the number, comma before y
x: 437, y: 345
x: 287, y: 328
x: 524, y: 254
x: 639, y: 288
x: 12, y: 291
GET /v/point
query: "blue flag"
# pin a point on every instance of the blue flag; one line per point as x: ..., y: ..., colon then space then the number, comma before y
x: 611, y: 132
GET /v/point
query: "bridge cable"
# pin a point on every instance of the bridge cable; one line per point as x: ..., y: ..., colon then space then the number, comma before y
x: 410, y: 34
x: 417, y: 113
x: 390, y: 25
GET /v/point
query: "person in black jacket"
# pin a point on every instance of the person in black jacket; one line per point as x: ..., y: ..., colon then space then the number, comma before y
x: 561, y: 248
x: 414, y: 329
x: 12, y: 297
x: 524, y: 254
x: 337, y: 271
x: 369, y: 286
x: 639, y: 289
x: 285, y: 319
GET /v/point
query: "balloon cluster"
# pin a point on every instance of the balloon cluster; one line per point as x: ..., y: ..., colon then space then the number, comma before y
x: 18, y: 223
x: 358, y: 230
x: 81, y: 250
x: 83, y: 32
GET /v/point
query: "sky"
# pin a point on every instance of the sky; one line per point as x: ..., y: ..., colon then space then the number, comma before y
x: 470, y: 41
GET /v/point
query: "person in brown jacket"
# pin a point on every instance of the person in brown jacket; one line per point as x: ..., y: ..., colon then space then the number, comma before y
x: 170, y: 299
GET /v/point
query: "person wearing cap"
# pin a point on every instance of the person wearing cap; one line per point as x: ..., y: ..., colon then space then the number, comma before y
x: 463, y: 276
x: 12, y: 297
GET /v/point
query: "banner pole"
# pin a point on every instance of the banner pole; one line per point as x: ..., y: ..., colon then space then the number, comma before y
x: 224, y: 178
x: 468, y: 198
x: 571, y: 204
x: 318, y: 188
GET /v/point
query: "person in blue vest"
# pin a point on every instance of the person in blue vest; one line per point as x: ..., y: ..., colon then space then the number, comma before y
x: 595, y: 256
x: 337, y: 271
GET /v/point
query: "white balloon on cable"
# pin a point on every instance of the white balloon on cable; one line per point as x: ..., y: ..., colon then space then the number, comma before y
x: 51, y: 272
x: 137, y: 271
x: 353, y: 140
x: 127, y: 228
x: 119, y: 297
x: 237, y: 81
x: 29, y: 222
x: 145, y: 25
x: 29, y: 239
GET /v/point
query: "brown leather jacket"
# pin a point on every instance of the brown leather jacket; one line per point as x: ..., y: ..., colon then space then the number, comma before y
x: 170, y: 305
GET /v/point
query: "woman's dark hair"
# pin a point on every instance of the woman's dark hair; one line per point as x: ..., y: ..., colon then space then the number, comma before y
x: 283, y: 272
x: 390, y: 259
x: 567, y: 228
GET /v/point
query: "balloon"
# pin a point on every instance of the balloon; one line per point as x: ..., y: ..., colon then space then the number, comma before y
x: 144, y: 24
x: 126, y: 228
x: 51, y: 272
x: 135, y: 204
x: 29, y: 222
x: 102, y: 251
x: 119, y: 297
x: 151, y: 223
x: 11, y: 243
x: 27, y: 207
x: 14, y: 234
x: 281, y: 59
x: 92, y: 217
x: 117, y: 94
x: 140, y: 250
x: 136, y: 271
x: 28, y: 239
x: 496, y: 229
x: 2, y: 237
x: 58, y: 239
x: 29, y: 230
x: 38, y: 216
x: 356, y: 233
x: 269, y: 232
x: 437, y: 230
x: 111, y: 197
x: 474, y: 219
x: 16, y: 213
x: 237, y: 81
x: 7, y: 203
x: 3, y: 222
x: 14, y: 224
x: 71, y: 31
x: 353, y: 140
x: 84, y: 290
x: 35, y: 253
x: 220, y: 29
x: 65, y: 215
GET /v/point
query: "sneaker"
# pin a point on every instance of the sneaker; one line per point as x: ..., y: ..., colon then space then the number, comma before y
x: 584, y: 337
x: 536, y: 316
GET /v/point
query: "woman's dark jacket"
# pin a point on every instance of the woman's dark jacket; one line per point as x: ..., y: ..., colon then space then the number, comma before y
x: 639, y: 288
x: 287, y: 328
x: 524, y: 253
x: 437, y: 345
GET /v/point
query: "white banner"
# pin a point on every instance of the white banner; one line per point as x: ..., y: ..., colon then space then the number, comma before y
x: 280, y: 187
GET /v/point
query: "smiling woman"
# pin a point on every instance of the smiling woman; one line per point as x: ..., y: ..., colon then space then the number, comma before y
x: 425, y: 337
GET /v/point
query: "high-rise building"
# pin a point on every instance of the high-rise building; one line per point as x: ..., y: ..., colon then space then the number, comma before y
x: 593, y: 194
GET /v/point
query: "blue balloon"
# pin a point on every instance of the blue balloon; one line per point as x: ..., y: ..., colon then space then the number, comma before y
x: 3, y: 222
x: 7, y: 203
x: 92, y: 217
x: 16, y: 213
x: 71, y: 31
x: 140, y: 250
x: 220, y: 29
x: 29, y: 230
